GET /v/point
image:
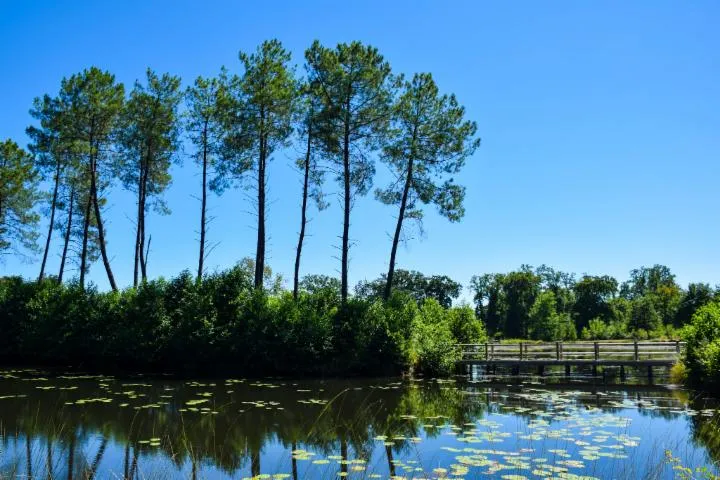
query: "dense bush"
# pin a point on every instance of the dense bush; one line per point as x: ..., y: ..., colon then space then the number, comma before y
x: 224, y: 325
x: 546, y: 323
x: 600, y: 330
x: 702, y: 354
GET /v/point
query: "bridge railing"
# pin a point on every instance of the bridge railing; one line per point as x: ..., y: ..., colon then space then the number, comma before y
x: 633, y: 351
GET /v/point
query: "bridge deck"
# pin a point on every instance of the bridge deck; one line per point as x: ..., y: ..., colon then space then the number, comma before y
x: 639, y: 354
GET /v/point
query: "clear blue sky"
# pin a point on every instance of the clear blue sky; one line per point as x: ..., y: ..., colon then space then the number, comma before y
x: 600, y: 124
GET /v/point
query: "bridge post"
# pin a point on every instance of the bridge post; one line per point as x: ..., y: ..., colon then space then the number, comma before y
x: 557, y: 350
x: 637, y: 353
x: 486, y: 352
x: 597, y: 351
x: 677, y: 346
x: 521, y: 351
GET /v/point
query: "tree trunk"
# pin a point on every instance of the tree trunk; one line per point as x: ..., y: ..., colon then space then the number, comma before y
x: 346, y: 208
x: 126, y: 463
x: 143, y: 252
x: 255, y: 462
x: 133, y: 467
x: 68, y: 232
x: 101, y: 230
x: 145, y: 257
x: 86, y: 229
x: 398, y: 230
x: 294, y: 462
x: 52, y: 221
x: 391, y: 464
x: 1, y: 217
x: 98, y: 457
x: 28, y: 455
x: 71, y: 457
x: 138, y: 246
x: 303, y: 217
x: 203, y: 205
x: 140, y: 232
x: 137, y: 238
x: 260, y: 252
x: 49, y: 459
x: 344, y: 456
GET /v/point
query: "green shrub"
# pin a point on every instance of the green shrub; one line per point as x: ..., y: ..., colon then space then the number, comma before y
x: 546, y: 323
x: 596, y: 330
x: 223, y: 324
x: 465, y: 326
x: 434, y: 347
x: 702, y: 354
x: 639, y: 334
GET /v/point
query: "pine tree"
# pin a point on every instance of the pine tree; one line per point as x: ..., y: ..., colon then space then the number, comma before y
x: 356, y: 88
x: 19, y: 196
x: 429, y: 141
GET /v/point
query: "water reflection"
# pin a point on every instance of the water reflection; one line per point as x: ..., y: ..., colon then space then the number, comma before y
x: 103, y: 427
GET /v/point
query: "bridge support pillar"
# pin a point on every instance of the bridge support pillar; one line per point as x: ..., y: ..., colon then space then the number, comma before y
x: 567, y: 370
x: 622, y: 372
x: 541, y: 370
x: 650, y: 373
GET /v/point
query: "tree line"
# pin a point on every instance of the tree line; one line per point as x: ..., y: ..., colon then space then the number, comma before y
x: 546, y: 304
x: 346, y: 111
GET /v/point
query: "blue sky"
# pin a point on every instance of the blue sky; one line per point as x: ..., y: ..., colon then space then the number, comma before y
x: 600, y: 124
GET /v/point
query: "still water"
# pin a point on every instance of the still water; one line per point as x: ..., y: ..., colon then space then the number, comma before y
x: 55, y: 425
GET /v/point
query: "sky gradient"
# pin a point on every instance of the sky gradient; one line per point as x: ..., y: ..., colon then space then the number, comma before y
x: 600, y: 126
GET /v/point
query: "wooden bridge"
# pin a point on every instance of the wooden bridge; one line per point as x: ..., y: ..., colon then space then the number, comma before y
x: 568, y: 354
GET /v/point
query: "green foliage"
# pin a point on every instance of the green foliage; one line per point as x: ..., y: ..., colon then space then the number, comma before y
x: 465, y: 326
x: 225, y: 325
x: 416, y: 285
x: 644, y: 315
x: 597, y: 329
x: 356, y: 89
x: 490, y: 304
x: 258, y: 122
x: 521, y: 289
x: 18, y: 198
x: 545, y: 321
x: 518, y: 304
x: 428, y: 141
x: 696, y: 296
x: 646, y: 280
x: 433, y: 344
x: 257, y: 111
x: 593, y: 295
x: 702, y: 355
x: 149, y: 137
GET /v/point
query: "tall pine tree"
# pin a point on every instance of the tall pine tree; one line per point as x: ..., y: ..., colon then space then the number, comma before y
x: 429, y: 142
x: 149, y: 138
x: 356, y: 89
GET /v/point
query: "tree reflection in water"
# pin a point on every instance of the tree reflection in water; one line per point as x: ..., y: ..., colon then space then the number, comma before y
x: 242, y: 427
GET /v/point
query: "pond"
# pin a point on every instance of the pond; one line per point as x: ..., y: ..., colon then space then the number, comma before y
x: 55, y: 425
